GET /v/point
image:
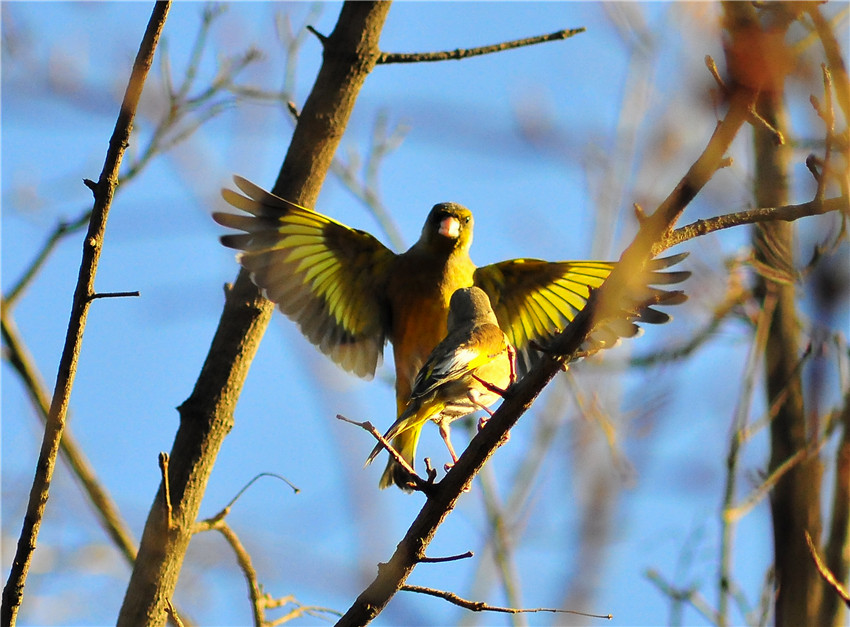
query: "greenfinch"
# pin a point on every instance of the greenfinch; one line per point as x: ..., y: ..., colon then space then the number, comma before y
x: 349, y: 294
x: 465, y: 372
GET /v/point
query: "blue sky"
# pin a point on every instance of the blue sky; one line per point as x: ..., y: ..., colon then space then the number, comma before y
x: 464, y: 143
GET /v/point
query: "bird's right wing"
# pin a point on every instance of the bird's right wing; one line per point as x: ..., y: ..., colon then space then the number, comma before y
x: 534, y: 299
x: 323, y: 275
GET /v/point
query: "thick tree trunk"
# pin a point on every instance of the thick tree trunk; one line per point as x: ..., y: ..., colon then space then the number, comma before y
x: 795, y: 500
x: 206, y: 417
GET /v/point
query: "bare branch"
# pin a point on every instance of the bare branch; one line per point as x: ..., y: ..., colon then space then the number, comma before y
x: 449, y: 558
x: 786, y: 213
x: 827, y: 574
x: 172, y: 613
x: 418, y: 482
x: 97, y: 295
x: 465, y: 53
x: 166, y: 489
x: 14, y: 589
x: 62, y: 229
x: 206, y: 416
x: 480, y: 606
x: 689, y: 595
x: 833, y: 55
x: 104, y: 505
x: 260, y: 601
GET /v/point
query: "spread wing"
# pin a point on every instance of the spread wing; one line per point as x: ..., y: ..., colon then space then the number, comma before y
x: 325, y: 276
x: 533, y: 299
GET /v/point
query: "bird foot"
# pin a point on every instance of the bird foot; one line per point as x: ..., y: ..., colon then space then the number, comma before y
x: 493, y: 388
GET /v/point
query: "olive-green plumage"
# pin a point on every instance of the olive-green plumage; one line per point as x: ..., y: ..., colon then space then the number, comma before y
x: 451, y: 384
x: 349, y: 294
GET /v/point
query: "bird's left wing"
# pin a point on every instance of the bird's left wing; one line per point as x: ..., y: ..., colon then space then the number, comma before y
x: 534, y: 299
x: 455, y: 357
x: 325, y: 276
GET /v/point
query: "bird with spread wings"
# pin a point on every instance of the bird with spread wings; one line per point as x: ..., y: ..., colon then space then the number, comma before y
x: 349, y: 294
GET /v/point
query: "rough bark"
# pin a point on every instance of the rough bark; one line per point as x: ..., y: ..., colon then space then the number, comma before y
x: 206, y: 416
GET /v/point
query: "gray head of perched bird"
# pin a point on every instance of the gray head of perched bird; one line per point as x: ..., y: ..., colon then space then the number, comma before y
x: 470, y: 305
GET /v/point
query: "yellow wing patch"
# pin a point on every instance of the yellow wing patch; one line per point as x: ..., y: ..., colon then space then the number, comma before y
x: 323, y: 275
x: 534, y: 299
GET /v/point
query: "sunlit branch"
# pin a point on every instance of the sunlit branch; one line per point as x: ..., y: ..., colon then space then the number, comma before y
x: 465, y: 53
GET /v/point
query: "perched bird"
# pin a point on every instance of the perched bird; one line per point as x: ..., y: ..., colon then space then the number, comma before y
x: 463, y: 373
x: 349, y: 293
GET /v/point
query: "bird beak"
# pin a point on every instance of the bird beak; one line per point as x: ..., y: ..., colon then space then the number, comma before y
x: 449, y: 227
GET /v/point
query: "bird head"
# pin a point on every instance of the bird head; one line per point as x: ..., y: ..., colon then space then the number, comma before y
x: 449, y: 226
x: 470, y: 305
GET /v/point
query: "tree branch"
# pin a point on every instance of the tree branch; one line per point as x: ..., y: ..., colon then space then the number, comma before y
x: 827, y: 574
x: 104, y: 506
x: 480, y: 606
x: 207, y: 415
x: 465, y: 53
x: 787, y: 213
x: 604, y: 303
x: 14, y: 589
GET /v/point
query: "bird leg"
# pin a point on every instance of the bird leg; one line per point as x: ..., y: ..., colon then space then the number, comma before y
x: 482, y: 422
x: 493, y: 388
x: 444, y: 433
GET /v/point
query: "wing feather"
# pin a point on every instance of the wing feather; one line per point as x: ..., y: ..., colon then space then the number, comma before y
x: 534, y: 299
x: 325, y: 276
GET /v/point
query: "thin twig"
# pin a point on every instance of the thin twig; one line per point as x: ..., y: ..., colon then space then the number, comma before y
x: 739, y: 511
x: 827, y: 114
x: 260, y: 601
x: 689, y: 595
x: 62, y: 229
x: 172, y: 613
x: 465, y: 53
x: 245, y: 563
x: 827, y: 574
x: 114, y: 295
x: 739, y: 425
x: 480, y: 606
x: 832, y: 49
x: 166, y: 489
x: 448, y: 558
x: 419, y: 482
x: 82, y: 470
x: 766, y: 214
x: 14, y: 589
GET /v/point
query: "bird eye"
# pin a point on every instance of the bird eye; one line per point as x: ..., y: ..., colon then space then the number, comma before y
x: 466, y: 220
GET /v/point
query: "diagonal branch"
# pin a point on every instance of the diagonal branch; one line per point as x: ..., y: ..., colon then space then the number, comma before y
x: 826, y: 573
x: 93, y: 243
x: 465, y: 53
x: 106, y: 509
x: 603, y: 304
x: 206, y: 416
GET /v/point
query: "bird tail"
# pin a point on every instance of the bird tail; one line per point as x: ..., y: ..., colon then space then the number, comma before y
x: 404, y: 437
x: 405, y: 443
